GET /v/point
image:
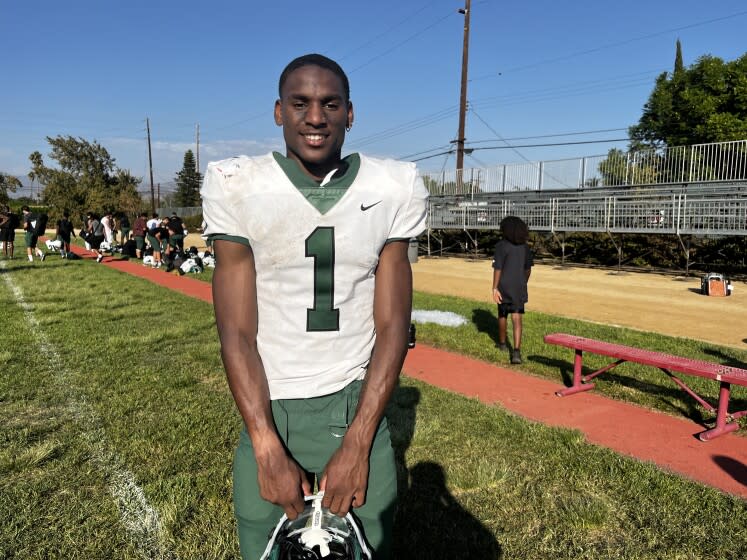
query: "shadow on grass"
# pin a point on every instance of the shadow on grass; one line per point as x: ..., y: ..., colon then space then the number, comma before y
x: 486, y: 322
x: 734, y: 468
x: 564, y: 368
x: 430, y: 523
x: 400, y: 415
x: 724, y: 359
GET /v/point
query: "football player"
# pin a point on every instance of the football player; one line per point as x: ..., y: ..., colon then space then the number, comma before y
x: 312, y: 293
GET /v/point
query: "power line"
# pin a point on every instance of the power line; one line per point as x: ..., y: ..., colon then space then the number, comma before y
x: 513, y: 147
x: 609, y: 46
x: 624, y: 78
x: 406, y: 127
x: 398, y: 45
x: 543, y: 94
x: 581, y: 133
x: 536, y: 137
x: 383, y: 33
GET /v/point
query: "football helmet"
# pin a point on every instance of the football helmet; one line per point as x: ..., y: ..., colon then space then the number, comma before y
x: 54, y: 245
x: 317, y: 534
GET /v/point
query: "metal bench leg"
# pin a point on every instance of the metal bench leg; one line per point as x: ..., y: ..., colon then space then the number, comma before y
x: 577, y: 386
x: 722, y: 427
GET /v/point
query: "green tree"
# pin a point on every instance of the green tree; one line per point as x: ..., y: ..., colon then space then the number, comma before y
x: 678, y: 64
x: 188, y: 182
x: 86, y: 178
x: 614, y: 168
x: 704, y: 103
x: 8, y: 183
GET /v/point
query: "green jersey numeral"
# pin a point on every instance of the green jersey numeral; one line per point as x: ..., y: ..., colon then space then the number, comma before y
x: 321, y: 246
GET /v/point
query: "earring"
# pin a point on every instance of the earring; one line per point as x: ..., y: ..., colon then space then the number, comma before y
x: 348, y: 127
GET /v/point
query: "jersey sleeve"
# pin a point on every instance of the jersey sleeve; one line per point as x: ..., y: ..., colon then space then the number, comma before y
x: 217, y: 204
x: 410, y: 220
x: 498, y: 256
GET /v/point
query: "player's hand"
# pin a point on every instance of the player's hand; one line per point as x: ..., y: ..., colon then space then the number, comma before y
x: 345, y: 480
x: 497, y: 297
x: 282, y: 482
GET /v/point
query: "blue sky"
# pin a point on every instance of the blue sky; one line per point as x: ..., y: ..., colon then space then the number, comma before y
x: 97, y: 69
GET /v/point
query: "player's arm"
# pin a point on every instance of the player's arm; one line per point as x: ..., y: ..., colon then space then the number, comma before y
x: 346, y: 476
x: 281, y: 480
x: 497, y: 297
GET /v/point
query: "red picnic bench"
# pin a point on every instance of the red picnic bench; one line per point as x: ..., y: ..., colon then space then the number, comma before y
x: 725, y: 375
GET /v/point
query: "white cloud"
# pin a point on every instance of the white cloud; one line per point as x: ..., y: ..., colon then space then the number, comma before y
x: 168, y: 157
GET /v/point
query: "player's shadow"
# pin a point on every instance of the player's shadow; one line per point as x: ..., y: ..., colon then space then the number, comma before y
x: 432, y: 524
x: 400, y: 415
x: 734, y: 468
x: 486, y: 322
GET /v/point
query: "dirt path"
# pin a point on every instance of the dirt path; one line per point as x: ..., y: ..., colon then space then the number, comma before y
x: 644, y: 301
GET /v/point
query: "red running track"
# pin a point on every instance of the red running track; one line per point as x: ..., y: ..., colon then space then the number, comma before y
x: 625, y: 428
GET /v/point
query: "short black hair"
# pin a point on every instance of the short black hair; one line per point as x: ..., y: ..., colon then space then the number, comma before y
x: 314, y: 60
x: 515, y: 230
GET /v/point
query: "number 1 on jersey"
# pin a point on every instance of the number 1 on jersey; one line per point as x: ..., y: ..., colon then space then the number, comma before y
x: 320, y: 245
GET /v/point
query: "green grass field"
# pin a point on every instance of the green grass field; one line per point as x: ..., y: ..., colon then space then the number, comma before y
x: 118, y: 431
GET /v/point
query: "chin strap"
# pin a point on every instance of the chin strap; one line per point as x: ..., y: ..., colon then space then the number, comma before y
x: 316, y: 535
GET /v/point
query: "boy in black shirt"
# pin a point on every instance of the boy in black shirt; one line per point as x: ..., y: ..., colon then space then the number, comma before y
x: 512, y: 266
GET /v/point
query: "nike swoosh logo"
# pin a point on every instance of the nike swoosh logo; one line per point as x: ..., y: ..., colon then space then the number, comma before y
x: 364, y: 208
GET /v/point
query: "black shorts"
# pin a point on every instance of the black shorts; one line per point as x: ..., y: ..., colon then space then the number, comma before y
x: 95, y: 241
x: 505, y: 309
x: 4, y: 233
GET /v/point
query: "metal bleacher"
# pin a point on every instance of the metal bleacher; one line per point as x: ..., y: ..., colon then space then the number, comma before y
x: 692, y: 190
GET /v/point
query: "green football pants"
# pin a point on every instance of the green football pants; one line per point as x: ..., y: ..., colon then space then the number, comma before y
x: 312, y: 429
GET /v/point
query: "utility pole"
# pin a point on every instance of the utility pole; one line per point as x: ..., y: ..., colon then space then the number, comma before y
x: 197, y: 142
x: 463, y: 95
x: 150, y: 165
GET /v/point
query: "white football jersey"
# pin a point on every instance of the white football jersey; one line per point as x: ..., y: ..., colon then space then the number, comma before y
x: 315, y: 269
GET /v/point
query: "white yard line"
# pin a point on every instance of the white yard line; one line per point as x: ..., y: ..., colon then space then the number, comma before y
x: 139, y: 518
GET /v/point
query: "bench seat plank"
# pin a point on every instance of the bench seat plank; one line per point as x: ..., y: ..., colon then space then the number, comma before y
x: 689, y: 366
x: 725, y: 375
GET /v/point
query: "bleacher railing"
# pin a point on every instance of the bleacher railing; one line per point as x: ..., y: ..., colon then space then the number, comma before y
x: 677, y: 213
x: 722, y: 161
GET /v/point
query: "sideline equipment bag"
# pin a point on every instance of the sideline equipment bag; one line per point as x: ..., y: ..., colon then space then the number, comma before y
x: 713, y: 284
